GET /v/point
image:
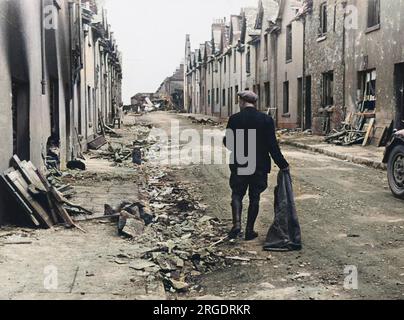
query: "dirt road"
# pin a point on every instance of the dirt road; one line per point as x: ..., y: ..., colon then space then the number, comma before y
x: 348, y: 217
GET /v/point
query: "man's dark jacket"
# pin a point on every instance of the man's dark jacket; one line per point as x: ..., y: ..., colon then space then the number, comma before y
x: 267, y: 144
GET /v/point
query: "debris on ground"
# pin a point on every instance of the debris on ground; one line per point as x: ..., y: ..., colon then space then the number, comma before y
x: 42, y: 204
x: 205, y: 122
x: 184, y: 242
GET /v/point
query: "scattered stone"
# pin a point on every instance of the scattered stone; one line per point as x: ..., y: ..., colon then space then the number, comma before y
x: 141, y: 265
x: 301, y: 275
x: 267, y: 286
x: 179, y: 285
x: 120, y: 262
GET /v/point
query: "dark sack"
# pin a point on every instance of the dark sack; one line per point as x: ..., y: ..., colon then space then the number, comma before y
x: 285, y: 233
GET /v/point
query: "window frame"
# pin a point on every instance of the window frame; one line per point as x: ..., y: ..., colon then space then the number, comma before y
x: 289, y: 43
x: 323, y: 29
x: 373, y: 17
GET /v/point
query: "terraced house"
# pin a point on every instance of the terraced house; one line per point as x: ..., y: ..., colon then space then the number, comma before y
x: 61, y: 72
x: 315, y: 64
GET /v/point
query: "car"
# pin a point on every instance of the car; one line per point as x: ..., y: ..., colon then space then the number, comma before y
x: 394, y: 158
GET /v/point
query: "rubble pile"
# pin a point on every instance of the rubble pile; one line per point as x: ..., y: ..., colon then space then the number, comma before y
x: 42, y: 205
x: 204, y: 122
x: 119, y: 152
x: 183, y: 241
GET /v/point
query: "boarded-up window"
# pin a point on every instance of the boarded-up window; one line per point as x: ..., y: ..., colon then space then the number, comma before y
x: 289, y: 41
x: 373, y: 13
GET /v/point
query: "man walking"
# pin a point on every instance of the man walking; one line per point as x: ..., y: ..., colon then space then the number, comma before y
x: 251, y: 138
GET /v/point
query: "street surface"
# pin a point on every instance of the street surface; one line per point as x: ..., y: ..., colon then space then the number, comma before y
x: 348, y: 216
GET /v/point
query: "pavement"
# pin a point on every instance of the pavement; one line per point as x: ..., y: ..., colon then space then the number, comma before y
x: 370, y: 156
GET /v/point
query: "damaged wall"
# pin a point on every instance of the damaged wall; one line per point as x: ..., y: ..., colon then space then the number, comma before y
x: 44, y: 82
x: 378, y: 48
x: 324, y: 53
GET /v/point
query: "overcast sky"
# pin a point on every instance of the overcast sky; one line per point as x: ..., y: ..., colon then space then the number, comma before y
x: 151, y: 35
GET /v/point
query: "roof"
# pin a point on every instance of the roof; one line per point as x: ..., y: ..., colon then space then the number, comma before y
x: 268, y: 13
x: 235, y: 28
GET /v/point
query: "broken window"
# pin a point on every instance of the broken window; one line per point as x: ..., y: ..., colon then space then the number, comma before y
x: 248, y: 60
x: 328, y: 89
x: 367, y: 90
x: 20, y: 120
x: 267, y: 94
x: 286, y: 97
x: 373, y: 13
x: 289, y: 41
x: 323, y: 19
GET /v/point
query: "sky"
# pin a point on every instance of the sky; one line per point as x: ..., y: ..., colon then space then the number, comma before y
x: 151, y: 35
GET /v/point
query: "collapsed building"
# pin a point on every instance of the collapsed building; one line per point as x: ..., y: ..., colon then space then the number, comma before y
x: 314, y: 64
x: 172, y: 89
x: 61, y: 73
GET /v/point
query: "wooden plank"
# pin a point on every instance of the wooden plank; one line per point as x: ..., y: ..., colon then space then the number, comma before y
x: 369, y: 132
x: 57, y: 205
x: 17, y: 180
x: 21, y: 201
x: 27, y: 172
x: 27, y: 169
x: 97, y: 143
x: 380, y: 139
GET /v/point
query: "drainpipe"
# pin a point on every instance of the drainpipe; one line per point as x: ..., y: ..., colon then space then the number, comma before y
x: 43, y: 48
x: 276, y: 77
x: 304, y: 89
x: 344, y: 62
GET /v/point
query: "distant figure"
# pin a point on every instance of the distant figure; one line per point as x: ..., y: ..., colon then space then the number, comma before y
x: 259, y: 129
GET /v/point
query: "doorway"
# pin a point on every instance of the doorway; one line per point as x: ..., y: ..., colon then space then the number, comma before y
x: 299, y: 102
x: 308, y: 106
x: 20, y: 120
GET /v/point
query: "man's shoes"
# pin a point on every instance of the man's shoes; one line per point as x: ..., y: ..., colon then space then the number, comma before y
x: 235, y: 232
x: 251, y: 235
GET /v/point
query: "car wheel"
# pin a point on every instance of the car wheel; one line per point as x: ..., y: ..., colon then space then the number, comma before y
x: 395, y: 169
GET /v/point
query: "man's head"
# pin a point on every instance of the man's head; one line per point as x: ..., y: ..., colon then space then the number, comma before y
x: 247, y: 99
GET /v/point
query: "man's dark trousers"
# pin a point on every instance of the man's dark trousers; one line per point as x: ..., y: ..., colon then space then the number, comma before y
x: 256, y: 184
